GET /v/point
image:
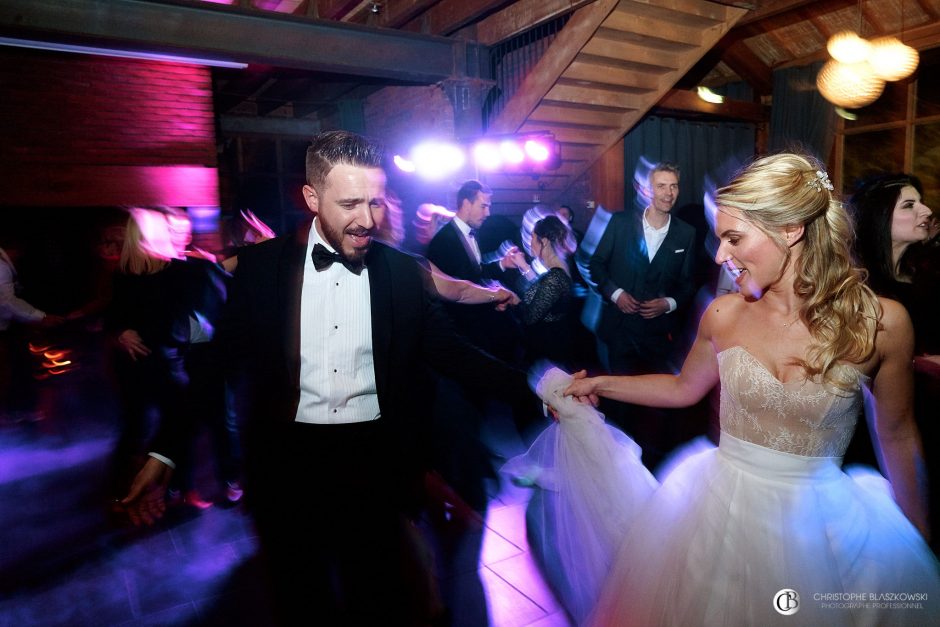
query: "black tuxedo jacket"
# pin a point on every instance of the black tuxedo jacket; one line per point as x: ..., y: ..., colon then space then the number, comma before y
x: 260, y: 330
x: 620, y: 261
x: 481, y: 324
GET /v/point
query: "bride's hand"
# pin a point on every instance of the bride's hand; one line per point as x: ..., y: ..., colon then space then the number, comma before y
x: 583, y: 388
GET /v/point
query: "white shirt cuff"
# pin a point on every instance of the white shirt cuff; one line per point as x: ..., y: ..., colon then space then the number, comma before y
x: 616, y: 295
x: 165, y: 460
x: 672, y: 304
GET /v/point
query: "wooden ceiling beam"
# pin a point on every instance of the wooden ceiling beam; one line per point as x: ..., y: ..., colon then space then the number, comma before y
x: 785, y: 13
x: 750, y: 68
x: 338, y: 10
x: 448, y: 16
x: 920, y: 37
x: 398, y: 13
x: 687, y: 101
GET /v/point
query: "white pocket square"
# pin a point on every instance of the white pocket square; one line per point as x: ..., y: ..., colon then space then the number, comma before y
x: 681, y: 250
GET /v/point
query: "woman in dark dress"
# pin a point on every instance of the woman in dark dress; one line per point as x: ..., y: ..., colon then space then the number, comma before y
x: 546, y: 297
x: 893, y: 226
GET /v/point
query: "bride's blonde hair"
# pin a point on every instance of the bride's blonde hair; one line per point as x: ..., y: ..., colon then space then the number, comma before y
x: 840, y: 311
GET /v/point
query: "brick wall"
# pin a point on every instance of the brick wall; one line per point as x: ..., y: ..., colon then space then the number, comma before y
x: 80, y: 130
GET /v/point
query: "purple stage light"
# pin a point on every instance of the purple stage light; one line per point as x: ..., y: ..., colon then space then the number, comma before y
x: 511, y: 152
x: 537, y: 151
x: 486, y: 156
x: 404, y: 164
x: 435, y: 160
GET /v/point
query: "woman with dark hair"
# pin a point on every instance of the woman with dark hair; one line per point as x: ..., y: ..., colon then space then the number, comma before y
x: 893, y: 227
x: 890, y: 217
x: 546, y: 298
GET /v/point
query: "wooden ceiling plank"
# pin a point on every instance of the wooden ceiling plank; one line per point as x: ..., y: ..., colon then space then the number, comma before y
x: 751, y: 69
x: 540, y: 79
x: 447, y: 16
x: 354, y: 11
x: 639, y: 24
x: 574, y: 115
x: 398, y: 13
x: 708, y: 10
x: 615, y: 49
x: 609, y: 75
x: 335, y: 9
x: 587, y: 95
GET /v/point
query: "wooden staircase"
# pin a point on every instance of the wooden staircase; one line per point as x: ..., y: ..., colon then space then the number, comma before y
x: 611, y: 63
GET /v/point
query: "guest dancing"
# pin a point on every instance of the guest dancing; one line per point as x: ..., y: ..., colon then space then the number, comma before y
x: 547, y: 297
x: 768, y: 522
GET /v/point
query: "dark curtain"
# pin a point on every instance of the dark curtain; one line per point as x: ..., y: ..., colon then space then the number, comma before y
x: 801, y: 120
x: 707, y: 154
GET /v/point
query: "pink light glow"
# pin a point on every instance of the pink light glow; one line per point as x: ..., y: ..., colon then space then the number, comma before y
x: 511, y: 152
x: 537, y: 151
x: 487, y: 157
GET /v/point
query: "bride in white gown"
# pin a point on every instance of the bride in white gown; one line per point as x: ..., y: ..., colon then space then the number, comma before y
x: 767, y: 529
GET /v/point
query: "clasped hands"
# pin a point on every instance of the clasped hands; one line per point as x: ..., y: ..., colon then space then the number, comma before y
x: 648, y: 309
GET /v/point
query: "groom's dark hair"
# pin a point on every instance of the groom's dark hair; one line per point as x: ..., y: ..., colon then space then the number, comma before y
x: 333, y: 147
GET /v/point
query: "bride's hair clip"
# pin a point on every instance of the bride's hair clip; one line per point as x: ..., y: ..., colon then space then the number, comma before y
x: 820, y: 180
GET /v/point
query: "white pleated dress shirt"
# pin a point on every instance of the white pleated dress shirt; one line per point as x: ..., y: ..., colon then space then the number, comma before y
x: 337, y: 369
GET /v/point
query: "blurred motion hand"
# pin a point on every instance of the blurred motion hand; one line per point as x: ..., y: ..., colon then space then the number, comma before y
x: 145, y: 502
x: 504, y: 299
x: 132, y: 343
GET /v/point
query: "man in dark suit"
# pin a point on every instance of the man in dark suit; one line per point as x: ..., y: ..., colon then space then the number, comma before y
x: 455, y: 249
x: 334, y: 329
x: 643, y: 269
x: 460, y: 454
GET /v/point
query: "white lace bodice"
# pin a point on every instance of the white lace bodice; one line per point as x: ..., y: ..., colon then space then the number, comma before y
x: 803, y: 417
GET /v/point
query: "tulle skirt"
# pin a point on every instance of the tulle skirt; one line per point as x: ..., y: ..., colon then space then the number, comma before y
x: 589, y: 485
x: 746, y: 535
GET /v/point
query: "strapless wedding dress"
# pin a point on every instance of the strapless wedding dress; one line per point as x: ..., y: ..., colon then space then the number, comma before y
x: 766, y: 529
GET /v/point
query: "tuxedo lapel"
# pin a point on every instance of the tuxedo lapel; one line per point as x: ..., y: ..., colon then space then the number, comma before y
x: 290, y: 278
x: 380, y: 296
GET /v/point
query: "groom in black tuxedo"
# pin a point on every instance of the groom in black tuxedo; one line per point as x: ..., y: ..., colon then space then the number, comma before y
x: 334, y: 329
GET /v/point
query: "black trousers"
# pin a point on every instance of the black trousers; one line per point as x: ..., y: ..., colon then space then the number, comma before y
x: 329, y: 502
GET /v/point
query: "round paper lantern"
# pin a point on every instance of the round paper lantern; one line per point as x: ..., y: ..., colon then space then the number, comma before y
x: 847, y: 47
x: 849, y: 85
x: 892, y: 60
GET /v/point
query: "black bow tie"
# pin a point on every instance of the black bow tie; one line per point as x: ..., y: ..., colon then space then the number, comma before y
x: 323, y: 259
x: 473, y: 233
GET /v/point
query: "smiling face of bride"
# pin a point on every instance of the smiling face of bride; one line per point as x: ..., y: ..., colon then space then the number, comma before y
x: 756, y: 260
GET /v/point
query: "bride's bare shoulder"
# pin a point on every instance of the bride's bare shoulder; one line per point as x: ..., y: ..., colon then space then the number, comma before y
x: 721, y: 315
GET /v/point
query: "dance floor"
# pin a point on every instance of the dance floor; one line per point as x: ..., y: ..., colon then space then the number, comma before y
x: 64, y: 561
